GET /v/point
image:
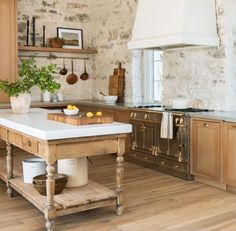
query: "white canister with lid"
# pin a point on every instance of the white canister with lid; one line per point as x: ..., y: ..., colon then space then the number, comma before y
x: 33, y: 167
x: 76, y: 170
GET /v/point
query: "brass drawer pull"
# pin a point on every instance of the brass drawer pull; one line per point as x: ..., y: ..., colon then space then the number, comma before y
x: 177, y: 166
x: 146, y: 158
x: 163, y: 162
x: 29, y: 143
x: 205, y: 125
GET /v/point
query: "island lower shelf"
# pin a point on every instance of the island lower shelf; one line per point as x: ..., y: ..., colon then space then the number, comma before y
x: 71, y: 200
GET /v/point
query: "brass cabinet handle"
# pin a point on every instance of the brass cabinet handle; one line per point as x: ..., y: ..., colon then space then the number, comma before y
x: 176, y: 166
x: 205, y: 125
x: 29, y: 143
x: 146, y: 158
x: 163, y: 162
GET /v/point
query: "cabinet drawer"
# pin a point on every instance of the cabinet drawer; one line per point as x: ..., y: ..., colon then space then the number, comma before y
x: 3, y: 133
x: 171, y: 165
x: 29, y: 144
x: 15, y: 139
x: 143, y: 157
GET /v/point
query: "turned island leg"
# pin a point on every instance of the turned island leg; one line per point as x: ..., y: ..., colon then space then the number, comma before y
x: 9, y: 169
x: 50, y: 211
x: 119, y: 176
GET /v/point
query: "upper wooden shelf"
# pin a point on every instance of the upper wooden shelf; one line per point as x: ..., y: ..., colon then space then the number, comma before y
x: 61, y: 50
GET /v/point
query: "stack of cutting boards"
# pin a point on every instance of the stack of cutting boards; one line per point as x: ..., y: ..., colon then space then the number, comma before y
x: 117, y: 83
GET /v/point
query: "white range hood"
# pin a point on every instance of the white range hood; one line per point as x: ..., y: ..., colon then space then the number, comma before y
x: 163, y: 24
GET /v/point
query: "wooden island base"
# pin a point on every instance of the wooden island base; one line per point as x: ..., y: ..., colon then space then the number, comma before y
x: 71, y: 200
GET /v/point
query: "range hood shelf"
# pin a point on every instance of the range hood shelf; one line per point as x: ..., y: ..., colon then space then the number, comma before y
x: 168, y: 24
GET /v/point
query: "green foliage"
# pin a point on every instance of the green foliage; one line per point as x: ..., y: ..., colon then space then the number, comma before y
x: 30, y: 75
x: 45, y: 79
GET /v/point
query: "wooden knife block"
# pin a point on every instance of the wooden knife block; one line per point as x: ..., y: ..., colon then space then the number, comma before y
x: 117, y: 83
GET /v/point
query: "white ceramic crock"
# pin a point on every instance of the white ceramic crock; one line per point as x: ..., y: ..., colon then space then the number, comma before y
x: 76, y: 170
x: 46, y: 96
x: 33, y: 167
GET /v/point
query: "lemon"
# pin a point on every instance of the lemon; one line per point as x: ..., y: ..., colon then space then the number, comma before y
x: 99, y: 113
x: 74, y: 107
x: 70, y: 107
x: 89, y: 114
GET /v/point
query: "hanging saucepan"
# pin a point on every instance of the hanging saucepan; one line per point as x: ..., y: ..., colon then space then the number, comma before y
x: 63, y: 71
x: 84, y: 76
x: 72, y: 78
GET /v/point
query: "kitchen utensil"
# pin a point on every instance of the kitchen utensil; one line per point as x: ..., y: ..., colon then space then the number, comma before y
x: 71, y: 112
x: 84, y: 76
x: 63, y: 71
x: 110, y: 98
x: 39, y: 182
x: 80, y: 120
x: 180, y: 103
x: 102, y: 93
x: 72, y: 78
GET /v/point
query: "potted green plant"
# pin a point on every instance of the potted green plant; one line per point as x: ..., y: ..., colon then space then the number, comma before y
x: 29, y: 75
x: 56, y: 42
x: 19, y: 91
x: 45, y: 81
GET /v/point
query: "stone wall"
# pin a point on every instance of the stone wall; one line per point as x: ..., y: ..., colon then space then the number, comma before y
x: 205, y: 76
x: 53, y: 14
x: 112, y: 23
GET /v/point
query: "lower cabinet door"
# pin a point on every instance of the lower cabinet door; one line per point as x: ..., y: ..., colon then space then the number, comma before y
x: 229, y: 154
x: 206, y: 149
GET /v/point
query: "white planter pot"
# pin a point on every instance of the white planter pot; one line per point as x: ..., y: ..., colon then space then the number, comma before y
x: 21, y: 103
x: 76, y: 170
x: 33, y: 167
x: 46, y: 96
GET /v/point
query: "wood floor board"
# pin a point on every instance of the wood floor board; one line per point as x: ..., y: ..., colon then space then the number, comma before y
x: 153, y: 202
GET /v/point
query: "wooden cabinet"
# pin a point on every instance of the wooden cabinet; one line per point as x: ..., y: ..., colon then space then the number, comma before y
x: 229, y: 154
x: 206, y: 148
x: 8, y: 44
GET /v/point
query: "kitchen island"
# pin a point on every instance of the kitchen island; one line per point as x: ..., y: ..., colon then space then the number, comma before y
x: 52, y: 141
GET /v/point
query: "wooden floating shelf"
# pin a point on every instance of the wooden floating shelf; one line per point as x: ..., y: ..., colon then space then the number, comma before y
x: 59, y: 50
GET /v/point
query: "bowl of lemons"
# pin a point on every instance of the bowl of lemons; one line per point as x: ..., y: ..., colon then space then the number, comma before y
x: 71, y: 110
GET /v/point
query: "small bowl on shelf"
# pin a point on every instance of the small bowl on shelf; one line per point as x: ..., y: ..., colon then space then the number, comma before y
x: 39, y: 183
x: 71, y: 112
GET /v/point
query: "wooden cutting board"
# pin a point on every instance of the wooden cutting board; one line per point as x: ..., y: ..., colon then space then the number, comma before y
x: 76, y: 120
x: 116, y: 83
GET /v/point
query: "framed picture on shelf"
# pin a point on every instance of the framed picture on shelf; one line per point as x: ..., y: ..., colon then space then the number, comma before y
x: 73, y: 38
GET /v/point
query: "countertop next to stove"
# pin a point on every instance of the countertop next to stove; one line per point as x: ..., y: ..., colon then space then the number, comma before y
x: 229, y: 116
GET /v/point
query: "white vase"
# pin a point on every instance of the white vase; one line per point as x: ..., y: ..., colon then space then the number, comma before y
x: 46, y: 96
x: 21, y: 103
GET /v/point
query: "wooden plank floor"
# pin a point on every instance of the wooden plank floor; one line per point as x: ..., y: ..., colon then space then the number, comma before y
x: 154, y: 202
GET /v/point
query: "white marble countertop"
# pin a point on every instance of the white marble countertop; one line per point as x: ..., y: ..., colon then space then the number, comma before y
x: 228, y: 116
x: 35, y: 123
